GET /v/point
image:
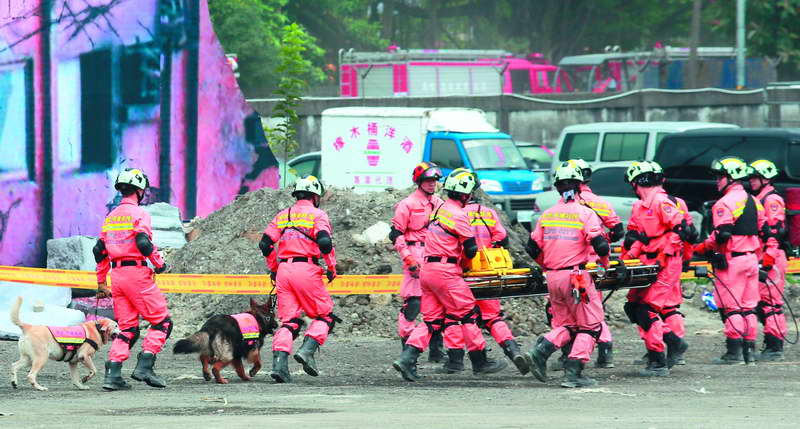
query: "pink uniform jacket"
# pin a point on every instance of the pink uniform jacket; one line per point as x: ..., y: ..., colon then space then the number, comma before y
x: 449, y: 228
x: 119, y: 236
x: 600, y: 206
x: 655, y: 216
x: 295, y: 230
x: 564, y: 233
x: 725, y: 212
x: 411, y: 217
x: 775, y: 212
x: 485, y: 224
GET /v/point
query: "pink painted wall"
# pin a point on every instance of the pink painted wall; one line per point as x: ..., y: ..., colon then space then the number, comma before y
x: 82, y: 198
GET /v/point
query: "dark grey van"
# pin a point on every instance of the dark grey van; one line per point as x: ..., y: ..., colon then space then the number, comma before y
x: 686, y: 158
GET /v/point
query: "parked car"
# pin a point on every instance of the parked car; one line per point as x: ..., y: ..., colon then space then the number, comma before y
x: 607, y: 182
x: 538, y: 157
x: 603, y: 143
x: 686, y: 158
x: 299, y: 166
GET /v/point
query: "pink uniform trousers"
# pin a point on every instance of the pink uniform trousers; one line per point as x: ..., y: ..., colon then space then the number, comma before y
x: 581, y: 321
x: 771, y: 294
x: 445, y: 295
x: 410, y: 287
x: 668, y: 303
x: 736, y: 293
x: 492, y: 321
x: 300, y: 290
x: 136, y: 294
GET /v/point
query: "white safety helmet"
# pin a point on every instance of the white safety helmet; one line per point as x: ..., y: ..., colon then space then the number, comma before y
x: 133, y: 177
x: 764, y: 168
x: 731, y: 166
x: 308, y: 184
x: 461, y: 180
x: 568, y: 170
x: 638, y: 168
x: 586, y: 169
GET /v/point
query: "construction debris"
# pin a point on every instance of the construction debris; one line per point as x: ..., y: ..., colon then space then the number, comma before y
x: 226, y: 242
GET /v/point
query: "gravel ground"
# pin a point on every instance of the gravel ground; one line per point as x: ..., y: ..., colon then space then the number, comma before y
x: 358, y: 388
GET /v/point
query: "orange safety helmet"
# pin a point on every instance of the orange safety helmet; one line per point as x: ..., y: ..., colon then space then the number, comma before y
x: 426, y: 170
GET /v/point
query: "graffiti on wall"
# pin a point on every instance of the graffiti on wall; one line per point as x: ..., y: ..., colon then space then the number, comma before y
x: 141, y: 83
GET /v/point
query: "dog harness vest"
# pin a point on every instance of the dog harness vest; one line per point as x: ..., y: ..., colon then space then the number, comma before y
x: 70, y: 338
x: 248, y: 326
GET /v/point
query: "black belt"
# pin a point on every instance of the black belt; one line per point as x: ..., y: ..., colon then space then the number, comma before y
x: 416, y: 243
x: 129, y: 263
x: 735, y: 254
x: 450, y: 260
x: 301, y: 259
x: 581, y: 266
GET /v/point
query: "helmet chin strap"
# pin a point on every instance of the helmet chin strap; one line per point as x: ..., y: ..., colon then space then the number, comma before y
x: 139, y: 195
x: 728, y: 183
x: 424, y: 191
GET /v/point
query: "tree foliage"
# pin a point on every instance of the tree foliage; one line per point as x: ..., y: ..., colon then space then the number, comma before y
x: 292, y: 66
x: 556, y: 28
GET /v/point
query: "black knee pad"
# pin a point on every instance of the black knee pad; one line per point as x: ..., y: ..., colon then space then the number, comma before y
x: 411, y: 308
x: 164, y: 326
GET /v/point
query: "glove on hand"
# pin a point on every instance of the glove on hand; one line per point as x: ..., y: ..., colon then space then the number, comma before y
x: 162, y: 268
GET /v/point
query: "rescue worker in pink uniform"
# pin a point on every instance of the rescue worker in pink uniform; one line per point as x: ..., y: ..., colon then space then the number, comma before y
x: 561, y: 243
x: 125, y: 245
x: 657, y: 230
x: 774, y: 262
x: 733, y: 247
x: 409, y: 225
x: 615, y: 231
x: 488, y: 232
x: 303, y: 235
x: 445, y: 294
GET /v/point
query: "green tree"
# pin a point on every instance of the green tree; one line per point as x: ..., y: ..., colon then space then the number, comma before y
x: 292, y: 67
x: 252, y: 29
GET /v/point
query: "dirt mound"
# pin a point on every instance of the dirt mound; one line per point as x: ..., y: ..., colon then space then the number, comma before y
x: 226, y: 242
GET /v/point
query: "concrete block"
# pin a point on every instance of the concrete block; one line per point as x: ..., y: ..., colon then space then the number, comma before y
x: 167, y: 225
x: 71, y: 253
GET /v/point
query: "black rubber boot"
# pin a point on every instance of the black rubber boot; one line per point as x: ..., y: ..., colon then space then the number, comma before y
x: 511, y: 350
x: 537, y: 358
x: 436, y: 348
x: 773, y: 349
x: 656, y: 365
x: 454, y: 362
x: 305, y: 356
x: 144, y: 371
x: 605, y: 355
x: 749, y: 353
x: 676, y: 347
x: 558, y: 364
x: 573, y: 375
x: 407, y: 364
x: 481, y: 364
x: 113, y: 379
x: 733, y: 355
x: 280, y: 367
x: 403, y: 343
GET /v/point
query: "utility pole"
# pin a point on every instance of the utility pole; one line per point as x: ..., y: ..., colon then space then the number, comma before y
x: 740, y: 44
x: 694, y: 42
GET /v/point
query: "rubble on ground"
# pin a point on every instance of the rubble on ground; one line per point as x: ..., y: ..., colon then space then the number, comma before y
x: 226, y: 242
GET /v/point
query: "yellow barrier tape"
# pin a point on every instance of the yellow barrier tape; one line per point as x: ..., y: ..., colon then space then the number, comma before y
x: 256, y: 284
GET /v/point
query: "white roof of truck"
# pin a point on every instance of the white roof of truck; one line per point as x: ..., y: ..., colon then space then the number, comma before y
x: 453, y: 119
x: 675, y: 126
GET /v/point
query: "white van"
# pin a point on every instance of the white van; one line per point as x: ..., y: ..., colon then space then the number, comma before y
x: 602, y: 143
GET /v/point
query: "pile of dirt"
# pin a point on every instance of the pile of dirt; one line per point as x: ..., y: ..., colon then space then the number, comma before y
x: 226, y: 242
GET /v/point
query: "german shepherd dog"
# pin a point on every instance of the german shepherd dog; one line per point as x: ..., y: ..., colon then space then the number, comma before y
x: 220, y: 342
